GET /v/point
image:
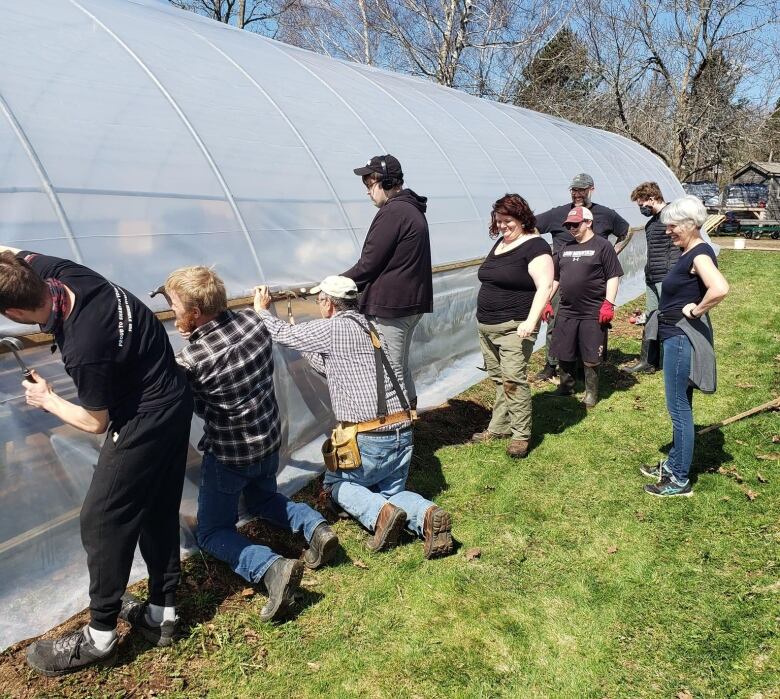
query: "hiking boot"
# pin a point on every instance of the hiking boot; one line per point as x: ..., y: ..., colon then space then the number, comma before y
x: 388, y: 527
x: 668, y: 487
x: 487, y: 436
x: 655, y: 470
x: 69, y: 653
x: 322, y: 547
x: 437, y: 532
x: 591, y: 386
x: 643, y: 365
x: 548, y: 373
x: 517, y: 448
x: 280, y: 580
x: 134, y: 613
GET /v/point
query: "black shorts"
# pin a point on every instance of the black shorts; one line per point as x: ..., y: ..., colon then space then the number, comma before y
x: 578, y: 337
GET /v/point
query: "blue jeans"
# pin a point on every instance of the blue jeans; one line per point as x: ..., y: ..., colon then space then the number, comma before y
x: 679, y: 403
x: 220, y: 489
x: 381, y: 478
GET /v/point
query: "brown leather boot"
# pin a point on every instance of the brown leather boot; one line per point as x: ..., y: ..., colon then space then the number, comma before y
x: 388, y: 527
x: 517, y: 448
x: 437, y: 532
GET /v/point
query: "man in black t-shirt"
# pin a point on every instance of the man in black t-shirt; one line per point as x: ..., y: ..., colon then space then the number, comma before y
x: 605, y: 222
x: 587, y: 276
x: 127, y: 380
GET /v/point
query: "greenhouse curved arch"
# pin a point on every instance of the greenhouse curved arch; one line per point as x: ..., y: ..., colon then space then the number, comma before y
x: 137, y: 138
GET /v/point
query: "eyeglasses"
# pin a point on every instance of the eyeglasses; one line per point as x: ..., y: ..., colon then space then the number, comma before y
x: 580, y: 190
x: 571, y: 226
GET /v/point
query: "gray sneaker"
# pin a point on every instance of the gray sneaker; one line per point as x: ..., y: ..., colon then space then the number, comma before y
x: 668, y: 487
x: 656, y: 471
x: 134, y: 613
x: 73, y: 652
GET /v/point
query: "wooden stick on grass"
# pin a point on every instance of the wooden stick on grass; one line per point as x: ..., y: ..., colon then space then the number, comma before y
x: 773, y: 404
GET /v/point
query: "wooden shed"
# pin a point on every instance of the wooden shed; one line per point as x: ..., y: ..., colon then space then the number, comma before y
x: 763, y: 173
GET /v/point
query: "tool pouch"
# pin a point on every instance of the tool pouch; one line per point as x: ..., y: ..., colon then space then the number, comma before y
x: 340, y: 451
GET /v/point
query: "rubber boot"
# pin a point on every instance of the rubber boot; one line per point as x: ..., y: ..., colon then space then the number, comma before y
x: 591, y: 386
x: 643, y: 365
x: 566, y: 372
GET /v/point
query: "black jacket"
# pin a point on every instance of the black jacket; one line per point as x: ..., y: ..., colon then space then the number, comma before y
x: 661, y: 254
x: 394, y: 269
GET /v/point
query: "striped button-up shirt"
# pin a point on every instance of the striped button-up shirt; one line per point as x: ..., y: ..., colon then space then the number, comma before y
x: 230, y: 367
x: 342, y: 352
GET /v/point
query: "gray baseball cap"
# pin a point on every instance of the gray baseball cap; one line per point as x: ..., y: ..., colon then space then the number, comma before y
x: 582, y: 181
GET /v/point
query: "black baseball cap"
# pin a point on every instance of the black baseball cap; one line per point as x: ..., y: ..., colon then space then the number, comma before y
x: 392, y: 167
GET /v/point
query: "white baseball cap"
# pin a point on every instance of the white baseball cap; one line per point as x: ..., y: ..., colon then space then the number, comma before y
x: 337, y: 287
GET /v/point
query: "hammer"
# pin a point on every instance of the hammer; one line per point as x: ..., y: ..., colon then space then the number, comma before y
x: 16, y: 346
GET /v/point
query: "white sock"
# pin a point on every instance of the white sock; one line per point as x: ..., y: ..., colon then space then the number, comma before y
x: 102, y: 640
x: 155, y: 614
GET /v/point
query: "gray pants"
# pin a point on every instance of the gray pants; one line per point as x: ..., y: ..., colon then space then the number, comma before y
x: 397, y: 333
x: 652, y: 297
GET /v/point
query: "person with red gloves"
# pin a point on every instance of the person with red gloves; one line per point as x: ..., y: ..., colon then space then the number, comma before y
x: 587, y: 276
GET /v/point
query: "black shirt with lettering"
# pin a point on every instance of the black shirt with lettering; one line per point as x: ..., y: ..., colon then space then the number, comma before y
x: 507, y: 289
x: 583, y: 270
x: 113, y: 346
x: 681, y: 287
x: 606, y: 222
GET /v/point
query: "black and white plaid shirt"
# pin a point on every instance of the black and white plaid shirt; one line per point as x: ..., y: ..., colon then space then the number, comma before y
x: 339, y: 350
x: 230, y: 367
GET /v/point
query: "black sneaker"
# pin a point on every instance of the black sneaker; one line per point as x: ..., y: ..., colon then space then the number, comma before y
x: 281, y: 580
x: 73, y: 652
x: 655, y: 471
x: 134, y: 613
x: 322, y: 547
x: 668, y: 487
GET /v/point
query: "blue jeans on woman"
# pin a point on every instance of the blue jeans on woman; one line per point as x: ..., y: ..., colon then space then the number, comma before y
x: 679, y: 403
x: 220, y: 488
x: 381, y: 478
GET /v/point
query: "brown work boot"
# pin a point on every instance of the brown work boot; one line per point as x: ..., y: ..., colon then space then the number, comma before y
x: 487, y: 436
x: 517, y: 448
x: 437, y: 532
x: 389, y: 523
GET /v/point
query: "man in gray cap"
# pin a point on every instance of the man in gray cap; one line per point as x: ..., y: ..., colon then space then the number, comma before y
x: 369, y: 454
x: 606, y: 222
x: 393, y: 273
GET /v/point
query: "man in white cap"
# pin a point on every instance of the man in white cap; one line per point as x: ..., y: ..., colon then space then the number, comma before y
x: 393, y: 273
x: 369, y: 403
x: 606, y: 222
x: 587, y: 274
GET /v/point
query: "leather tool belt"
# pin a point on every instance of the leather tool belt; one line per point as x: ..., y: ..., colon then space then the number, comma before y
x: 341, y: 452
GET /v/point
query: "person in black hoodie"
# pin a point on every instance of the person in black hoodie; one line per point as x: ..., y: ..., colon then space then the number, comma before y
x: 394, y: 269
x: 661, y: 257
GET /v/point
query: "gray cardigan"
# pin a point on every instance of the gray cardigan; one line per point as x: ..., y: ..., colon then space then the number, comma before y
x: 699, y: 332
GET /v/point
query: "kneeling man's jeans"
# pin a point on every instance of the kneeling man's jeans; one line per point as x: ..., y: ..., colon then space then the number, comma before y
x: 381, y: 478
x: 220, y: 489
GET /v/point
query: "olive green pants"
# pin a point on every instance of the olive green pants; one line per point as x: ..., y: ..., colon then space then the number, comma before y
x: 506, y: 360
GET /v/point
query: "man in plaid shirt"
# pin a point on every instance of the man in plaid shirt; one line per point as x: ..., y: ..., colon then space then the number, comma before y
x: 339, y: 348
x: 229, y: 364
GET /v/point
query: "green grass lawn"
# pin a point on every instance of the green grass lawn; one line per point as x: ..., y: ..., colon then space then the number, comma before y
x: 584, y: 586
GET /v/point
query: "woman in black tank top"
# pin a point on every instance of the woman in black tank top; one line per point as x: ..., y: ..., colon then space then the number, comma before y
x: 691, y: 288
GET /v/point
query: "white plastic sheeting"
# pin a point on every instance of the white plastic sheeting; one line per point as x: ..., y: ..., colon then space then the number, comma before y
x: 137, y: 138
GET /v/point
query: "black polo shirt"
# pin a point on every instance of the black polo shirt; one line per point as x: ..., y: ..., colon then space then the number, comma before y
x: 606, y: 221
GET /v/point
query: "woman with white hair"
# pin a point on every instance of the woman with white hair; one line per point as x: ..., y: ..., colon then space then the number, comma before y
x: 691, y: 288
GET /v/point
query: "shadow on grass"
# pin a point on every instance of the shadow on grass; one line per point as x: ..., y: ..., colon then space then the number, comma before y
x: 708, y: 452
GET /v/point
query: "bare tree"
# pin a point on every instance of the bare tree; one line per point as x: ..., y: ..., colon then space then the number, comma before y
x: 256, y: 15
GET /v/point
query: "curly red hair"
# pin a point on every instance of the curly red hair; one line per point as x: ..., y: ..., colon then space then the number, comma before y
x: 515, y: 206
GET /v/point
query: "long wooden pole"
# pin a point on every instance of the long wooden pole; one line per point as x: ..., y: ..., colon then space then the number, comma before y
x: 773, y: 404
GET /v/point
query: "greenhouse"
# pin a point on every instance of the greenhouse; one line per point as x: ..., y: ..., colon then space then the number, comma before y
x: 136, y: 138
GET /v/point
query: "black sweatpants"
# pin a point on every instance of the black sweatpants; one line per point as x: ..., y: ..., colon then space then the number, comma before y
x: 134, y: 498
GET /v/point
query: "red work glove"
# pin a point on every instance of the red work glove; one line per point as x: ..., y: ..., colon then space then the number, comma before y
x: 548, y: 312
x: 606, y: 312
